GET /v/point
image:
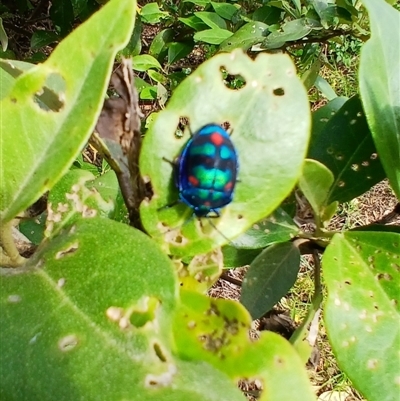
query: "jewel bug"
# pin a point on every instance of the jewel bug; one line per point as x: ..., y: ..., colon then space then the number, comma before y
x: 206, y: 171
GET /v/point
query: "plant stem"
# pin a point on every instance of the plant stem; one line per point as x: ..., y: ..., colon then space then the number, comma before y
x: 9, y: 256
x: 316, y: 301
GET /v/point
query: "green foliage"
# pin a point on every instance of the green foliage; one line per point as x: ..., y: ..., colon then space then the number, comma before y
x: 100, y: 308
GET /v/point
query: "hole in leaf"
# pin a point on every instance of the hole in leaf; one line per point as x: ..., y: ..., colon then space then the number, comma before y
x: 72, y: 248
x: 278, y: 91
x: 68, y: 343
x: 14, y: 299
x: 52, y: 96
x: 145, y: 313
x: 384, y: 276
x: 232, y: 81
x: 159, y: 353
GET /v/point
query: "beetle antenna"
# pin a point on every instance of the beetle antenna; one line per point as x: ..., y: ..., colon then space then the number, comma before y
x: 218, y: 231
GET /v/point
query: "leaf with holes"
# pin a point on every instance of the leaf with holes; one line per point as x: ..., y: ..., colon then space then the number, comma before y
x: 245, y: 37
x: 321, y: 116
x: 380, y: 85
x: 362, y: 275
x: 346, y: 147
x: 98, y: 322
x: 292, y: 30
x: 278, y: 227
x: 270, y: 159
x: 50, y: 138
x: 218, y: 331
x: 270, y: 276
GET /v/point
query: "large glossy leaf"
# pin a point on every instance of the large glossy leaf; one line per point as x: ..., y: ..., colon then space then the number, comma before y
x: 269, y: 119
x: 290, y: 31
x: 217, y: 330
x: 39, y: 143
x: 362, y: 274
x: 345, y: 146
x: 269, y: 278
x: 380, y: 85
x: 321, y: 116
x: 90, y: 319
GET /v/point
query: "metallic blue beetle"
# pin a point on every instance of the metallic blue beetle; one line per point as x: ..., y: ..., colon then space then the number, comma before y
x: 206, y: 171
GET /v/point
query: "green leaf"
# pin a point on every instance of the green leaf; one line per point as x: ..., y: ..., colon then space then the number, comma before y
x: 234, y: 257
x: 310, y: 76
x: 134, y: 46
x: 270, y: 277
x: 278, y: 227
x: 33, y: 229
x: 292, y: 30
x: 346, y: 148
x: 225, y: 10
x: 245, y: 37
x: 71, y: 199
x: 315, y: 183
x: 201, y: 3
x: 97, y: 320
x: 323, y: 86
x: 212, y: 20
x: 151, y: 13
x: 213, y: 36
x: 321, y: 116
x: 49, y: 139
x: 156, y: 76
x: 362, y: 274
x: 178, y: 50
x: 62, y: 15
x: 326, y: 11
x: 3, y: 36
x: 269, y: 168
x: 216, y: 331
x: 144, y: 62
x: 267, y: 14
x: 43, y: 38
x: 194, y: 22
x: 380, y: 85
x: 297, y: 4
x: 149, y: 93
x: 160, y: 42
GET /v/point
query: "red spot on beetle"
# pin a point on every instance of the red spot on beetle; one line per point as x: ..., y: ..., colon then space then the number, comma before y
x: 217, y: 139
x: 193, y: 180
x: 228, y: 186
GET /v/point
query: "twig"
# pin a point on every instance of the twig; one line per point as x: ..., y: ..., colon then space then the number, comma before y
x: 316, y: 301
x: 225, y: 276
